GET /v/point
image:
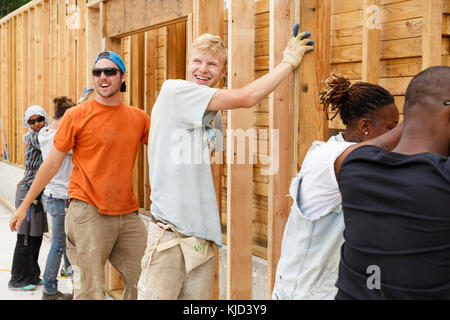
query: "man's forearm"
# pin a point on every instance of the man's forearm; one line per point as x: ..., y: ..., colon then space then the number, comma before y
x: 43, y: 177
x: 263, y: 86
x: 45, y: 173
x: 252, y: 93
x: 389, y: 140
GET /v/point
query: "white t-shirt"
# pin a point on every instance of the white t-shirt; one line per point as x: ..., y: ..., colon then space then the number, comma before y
x: 182, y: 188
x: 57, y: 187
x: 319, y: 189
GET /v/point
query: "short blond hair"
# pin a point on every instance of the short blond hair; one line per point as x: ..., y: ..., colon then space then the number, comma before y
x: 210, y: 43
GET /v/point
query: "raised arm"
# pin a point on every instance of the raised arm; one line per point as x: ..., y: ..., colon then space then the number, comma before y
x: 258, y: 89
x: 387, y: 141
x: 45, y: 173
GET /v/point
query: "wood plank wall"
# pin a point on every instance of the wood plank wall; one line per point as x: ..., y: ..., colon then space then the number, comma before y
x: 401, y: 32
x: 42, y: 56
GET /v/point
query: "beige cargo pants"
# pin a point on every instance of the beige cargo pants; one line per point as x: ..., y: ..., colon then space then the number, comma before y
x: 94, y: 238
x: 170, y: 271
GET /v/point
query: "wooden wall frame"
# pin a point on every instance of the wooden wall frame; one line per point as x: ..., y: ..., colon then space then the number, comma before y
x: 41, y: 57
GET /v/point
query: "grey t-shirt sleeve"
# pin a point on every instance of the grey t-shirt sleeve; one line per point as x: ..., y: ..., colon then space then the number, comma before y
x: 190, y: 101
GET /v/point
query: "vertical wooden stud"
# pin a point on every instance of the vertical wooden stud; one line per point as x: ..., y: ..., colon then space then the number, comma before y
x: 62, y: 51
x: 72, y: 23
x: 149, y: 100
x: 31, y: 56
x: 431, y: 33
x: 371, y: 41
x: 281, y: 118
x: 240, y: 175
x: 19, y: 85
x: 81, y: 51
x: 25, y: 93
x: 176, y: 51
x: 2, y: 142
x: 38, y: 57
x: 54, y: 74
x: 137, y: 100
x: 13, y: 92
x: 314, y: 17
x: 45, y: 39
x: 113, y: 44
x: 207, y: 14
x: 93, y: 41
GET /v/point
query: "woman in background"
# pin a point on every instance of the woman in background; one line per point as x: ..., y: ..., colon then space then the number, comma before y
x: 25, y: 269
x: 56, y: 201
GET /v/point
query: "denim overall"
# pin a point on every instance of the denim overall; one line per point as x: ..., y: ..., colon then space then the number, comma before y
x: 308, y: 266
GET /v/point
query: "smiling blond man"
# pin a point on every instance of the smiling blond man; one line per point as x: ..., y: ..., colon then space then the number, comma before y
x: 178, y: 262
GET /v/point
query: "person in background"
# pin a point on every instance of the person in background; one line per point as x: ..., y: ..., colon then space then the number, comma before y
x: 25, y: 269
x: 55, y: 200
x: 313, y: 235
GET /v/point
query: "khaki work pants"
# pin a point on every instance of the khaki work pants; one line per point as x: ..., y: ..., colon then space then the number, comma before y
x: 94, y: 238
x: 165, y: 277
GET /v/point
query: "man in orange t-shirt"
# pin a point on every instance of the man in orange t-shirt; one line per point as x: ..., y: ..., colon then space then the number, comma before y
x: 102, y: 222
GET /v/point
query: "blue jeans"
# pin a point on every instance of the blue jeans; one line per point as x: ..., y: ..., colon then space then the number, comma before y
x: 56, y: 209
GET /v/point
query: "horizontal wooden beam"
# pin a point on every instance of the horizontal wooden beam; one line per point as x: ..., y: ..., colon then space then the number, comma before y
x: 138, y: 16
x: 20, y: 10
x: 94, y: 3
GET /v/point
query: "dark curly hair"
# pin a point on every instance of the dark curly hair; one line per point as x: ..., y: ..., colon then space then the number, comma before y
x: 352, y: 101
x: 60, y: 105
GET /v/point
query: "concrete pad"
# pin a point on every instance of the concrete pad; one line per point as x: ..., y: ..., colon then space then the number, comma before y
x: 8, y: 242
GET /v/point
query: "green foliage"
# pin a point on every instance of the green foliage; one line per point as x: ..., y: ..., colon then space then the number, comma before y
x: 7, y: 6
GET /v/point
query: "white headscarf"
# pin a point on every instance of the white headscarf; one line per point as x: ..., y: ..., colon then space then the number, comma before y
x: 33, y: 111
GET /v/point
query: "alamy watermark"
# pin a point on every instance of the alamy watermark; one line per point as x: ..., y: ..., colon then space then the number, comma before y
x: 73, y: 21
x: 374, y: 280
x: 373, y: 17
x: 243, y: 147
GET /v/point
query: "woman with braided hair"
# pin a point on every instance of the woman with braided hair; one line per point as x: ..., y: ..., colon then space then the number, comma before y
x: 55, y: 200
x: 313, y: 235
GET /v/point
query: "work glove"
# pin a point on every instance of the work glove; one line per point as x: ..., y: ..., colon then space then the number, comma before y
x: 296, y: 47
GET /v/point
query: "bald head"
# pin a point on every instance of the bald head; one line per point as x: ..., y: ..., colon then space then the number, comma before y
x: 427, y: 93
x: 427, y: 113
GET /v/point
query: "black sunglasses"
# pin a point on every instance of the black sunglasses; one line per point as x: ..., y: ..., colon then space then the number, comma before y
x: 32, y: 121
x: 447, y: 103
x: 97, y: 72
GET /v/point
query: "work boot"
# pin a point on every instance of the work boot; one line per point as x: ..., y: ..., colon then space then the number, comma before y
x: 57, y: 296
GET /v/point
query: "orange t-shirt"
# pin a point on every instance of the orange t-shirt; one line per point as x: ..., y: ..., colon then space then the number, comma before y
x: 105, y: 142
